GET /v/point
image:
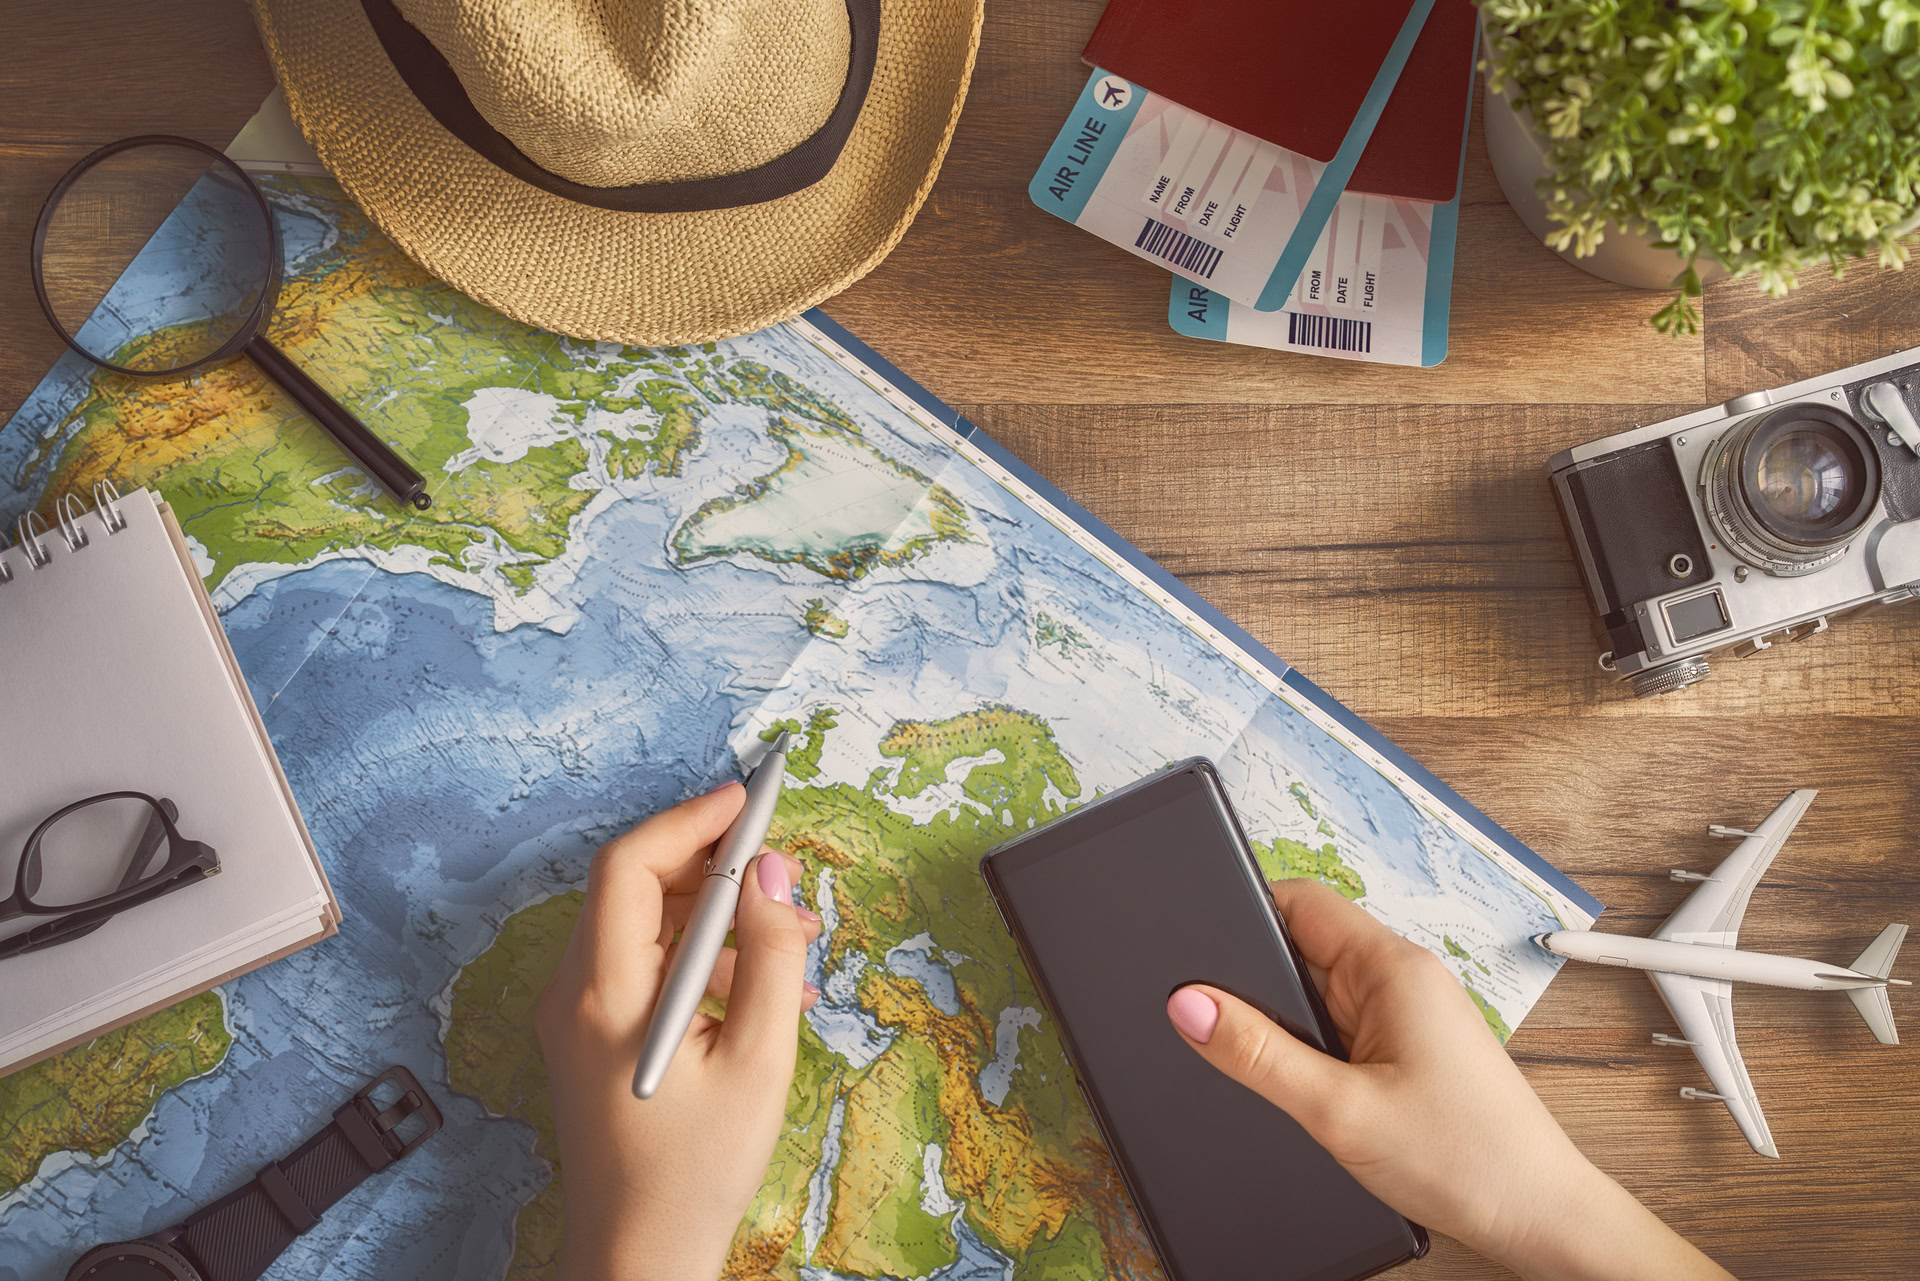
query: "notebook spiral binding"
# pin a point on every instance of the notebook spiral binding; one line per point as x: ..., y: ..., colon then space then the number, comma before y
x: 68, y: 515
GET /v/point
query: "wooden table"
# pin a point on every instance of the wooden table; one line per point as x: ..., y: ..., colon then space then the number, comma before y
x: 1388, y: 531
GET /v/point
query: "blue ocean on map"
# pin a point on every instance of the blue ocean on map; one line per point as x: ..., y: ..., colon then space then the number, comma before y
x: 458, y: 758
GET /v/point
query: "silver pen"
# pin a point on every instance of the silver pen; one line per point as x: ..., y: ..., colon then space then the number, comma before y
x: 706, y: 932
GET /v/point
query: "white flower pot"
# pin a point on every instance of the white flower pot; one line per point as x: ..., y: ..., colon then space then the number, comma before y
x: 1519, y: 154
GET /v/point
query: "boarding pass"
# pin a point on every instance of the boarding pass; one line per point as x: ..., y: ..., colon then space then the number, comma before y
x: 1212, y: 204
x: 1376, y: 287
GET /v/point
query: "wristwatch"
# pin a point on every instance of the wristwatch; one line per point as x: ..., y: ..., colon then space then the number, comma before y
x: 240, y: 1235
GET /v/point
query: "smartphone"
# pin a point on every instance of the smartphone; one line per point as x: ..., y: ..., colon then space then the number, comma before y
x: 1113, y: 907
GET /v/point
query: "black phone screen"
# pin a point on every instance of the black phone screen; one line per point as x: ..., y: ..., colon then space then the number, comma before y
x: 1114, y: 907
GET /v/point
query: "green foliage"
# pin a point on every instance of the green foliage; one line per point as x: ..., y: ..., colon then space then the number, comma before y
x: 1770, y: 135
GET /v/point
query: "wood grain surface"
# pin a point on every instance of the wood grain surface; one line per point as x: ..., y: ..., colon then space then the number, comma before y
x: 1388, y: 531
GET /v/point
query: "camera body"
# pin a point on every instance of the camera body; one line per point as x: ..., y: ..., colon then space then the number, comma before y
x: 1758, y: 521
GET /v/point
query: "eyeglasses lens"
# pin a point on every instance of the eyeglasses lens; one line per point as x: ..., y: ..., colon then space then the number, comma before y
x: 96, y: 850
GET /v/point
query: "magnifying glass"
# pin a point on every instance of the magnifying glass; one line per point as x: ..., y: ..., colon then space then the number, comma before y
x: 209, y: 277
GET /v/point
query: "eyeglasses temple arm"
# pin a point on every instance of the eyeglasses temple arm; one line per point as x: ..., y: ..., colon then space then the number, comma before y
x: 68, y: 928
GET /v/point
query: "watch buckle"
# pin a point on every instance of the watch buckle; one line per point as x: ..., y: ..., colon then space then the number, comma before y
x: 413, y: 1100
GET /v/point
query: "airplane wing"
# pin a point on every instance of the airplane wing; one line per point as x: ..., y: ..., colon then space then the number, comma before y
x: 1712, y: 913
x: 1704, y: 1010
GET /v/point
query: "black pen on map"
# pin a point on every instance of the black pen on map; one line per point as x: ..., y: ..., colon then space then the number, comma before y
x: 706, y: 931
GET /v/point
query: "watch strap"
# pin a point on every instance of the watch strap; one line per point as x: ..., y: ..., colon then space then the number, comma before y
x: 237, y: 1237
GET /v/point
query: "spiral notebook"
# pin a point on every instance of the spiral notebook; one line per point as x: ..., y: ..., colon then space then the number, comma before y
x: 117, y: 677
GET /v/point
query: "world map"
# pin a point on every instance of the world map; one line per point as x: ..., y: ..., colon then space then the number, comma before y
x: 639, y: 565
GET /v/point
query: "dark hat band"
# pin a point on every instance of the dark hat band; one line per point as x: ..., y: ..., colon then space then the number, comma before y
x: 432, y: 80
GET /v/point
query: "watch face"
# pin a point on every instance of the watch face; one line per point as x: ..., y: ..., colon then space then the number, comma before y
x: 132, y: 1261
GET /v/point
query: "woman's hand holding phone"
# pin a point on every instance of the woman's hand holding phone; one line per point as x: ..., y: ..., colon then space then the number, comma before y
x: 655, y: 1190
x: 1429, y: 1113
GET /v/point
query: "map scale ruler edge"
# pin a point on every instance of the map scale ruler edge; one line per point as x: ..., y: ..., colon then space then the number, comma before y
x: 638, y: 562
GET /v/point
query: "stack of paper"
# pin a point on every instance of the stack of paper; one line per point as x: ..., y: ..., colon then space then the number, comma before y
x: 1296, y: 166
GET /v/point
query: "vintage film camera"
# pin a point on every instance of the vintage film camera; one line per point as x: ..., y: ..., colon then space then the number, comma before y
x: 1754, y: 522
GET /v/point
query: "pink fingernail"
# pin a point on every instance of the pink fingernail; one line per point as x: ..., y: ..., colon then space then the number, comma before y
x: 1193, y: 1013
x: 810, y: 987
x: 774, y: 881
x: 721, y: 787
x: 806, y: 915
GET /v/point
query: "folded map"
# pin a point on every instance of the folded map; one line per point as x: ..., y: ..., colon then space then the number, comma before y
x: 638, y: 565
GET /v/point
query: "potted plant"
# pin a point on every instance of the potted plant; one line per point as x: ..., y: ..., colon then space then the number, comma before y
x: 1663, y: 142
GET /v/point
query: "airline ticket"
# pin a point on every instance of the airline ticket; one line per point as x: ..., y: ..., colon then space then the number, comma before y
x: 1377, y: 286
x: 1209, y: 203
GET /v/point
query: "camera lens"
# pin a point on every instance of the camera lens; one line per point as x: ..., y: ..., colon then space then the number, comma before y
x: 1788, y: 489
x: 1803, y: 477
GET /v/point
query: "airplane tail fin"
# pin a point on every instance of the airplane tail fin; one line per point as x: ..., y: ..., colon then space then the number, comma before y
x: 1872, y: 1002
x: 1877, y: 960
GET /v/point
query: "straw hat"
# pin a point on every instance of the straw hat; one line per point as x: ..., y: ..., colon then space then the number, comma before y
x: 644, y: 171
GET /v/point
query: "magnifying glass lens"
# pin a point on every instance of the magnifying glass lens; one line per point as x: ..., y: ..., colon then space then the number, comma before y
x: 157, y: 255
x: 205, y: 245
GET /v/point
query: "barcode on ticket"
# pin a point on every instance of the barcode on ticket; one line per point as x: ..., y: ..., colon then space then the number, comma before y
x: 1188, y: 253
x: 1330, y: 333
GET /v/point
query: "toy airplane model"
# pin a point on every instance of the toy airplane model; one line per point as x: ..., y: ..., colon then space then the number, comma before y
x: 1693, y: 963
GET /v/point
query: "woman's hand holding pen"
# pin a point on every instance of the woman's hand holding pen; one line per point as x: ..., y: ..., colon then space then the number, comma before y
x: 656, y: 1189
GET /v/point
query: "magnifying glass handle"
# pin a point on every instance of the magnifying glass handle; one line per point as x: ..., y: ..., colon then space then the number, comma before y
x: 367, y: 449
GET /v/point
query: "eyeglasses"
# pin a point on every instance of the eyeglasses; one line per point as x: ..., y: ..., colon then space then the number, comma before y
x: 95, y: 859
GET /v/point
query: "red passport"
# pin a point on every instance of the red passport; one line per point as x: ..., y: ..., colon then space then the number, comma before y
x: 1296, y: 73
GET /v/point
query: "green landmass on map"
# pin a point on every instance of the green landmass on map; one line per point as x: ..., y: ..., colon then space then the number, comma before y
x: 1283, y: 859
x: 493, y: 1056
x: 823, y: 622
x: 1298, y: 791
x: 1461, y: 953
x: 1496, y: 1023
x: 93, y: 1097
x: 803, y: 750
x: 1064, y: 638
x: 254, y: 481
x: 1029, y: 1173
